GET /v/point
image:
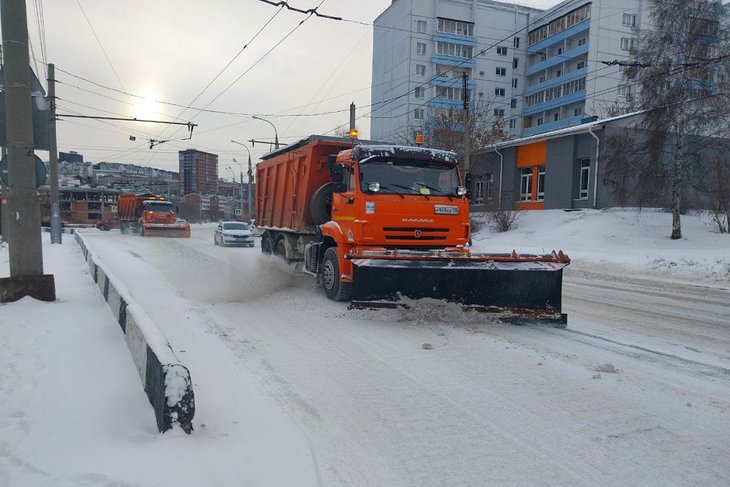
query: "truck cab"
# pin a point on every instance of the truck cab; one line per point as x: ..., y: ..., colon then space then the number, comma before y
x: 398, y: 197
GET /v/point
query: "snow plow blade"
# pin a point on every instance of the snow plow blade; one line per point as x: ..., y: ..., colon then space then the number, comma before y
x: 162, y: 230
x: 521, y: 289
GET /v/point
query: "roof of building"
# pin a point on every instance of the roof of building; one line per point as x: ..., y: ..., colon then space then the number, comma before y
x: 576, y: 129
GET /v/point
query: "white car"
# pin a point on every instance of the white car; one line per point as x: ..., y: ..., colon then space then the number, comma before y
x: 233, y: 233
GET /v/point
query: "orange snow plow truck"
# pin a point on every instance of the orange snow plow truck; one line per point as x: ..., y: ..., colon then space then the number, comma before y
x: 377, y: 223
x: 149, y: 214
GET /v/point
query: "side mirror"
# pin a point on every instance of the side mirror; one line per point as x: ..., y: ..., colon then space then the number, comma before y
x: 467, y: 182
x: 337, y: 172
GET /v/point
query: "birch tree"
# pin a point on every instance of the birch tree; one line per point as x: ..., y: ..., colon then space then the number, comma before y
x: 678, y: 65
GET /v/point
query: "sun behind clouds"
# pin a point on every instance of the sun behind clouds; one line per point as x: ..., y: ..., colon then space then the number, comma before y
x: 145, y: 107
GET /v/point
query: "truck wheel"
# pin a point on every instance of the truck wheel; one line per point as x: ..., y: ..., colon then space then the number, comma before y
x: 320, y: 206
x: 266, y: 245
x: 333, y: 287
x: 103, y: 228
x: 281, y: 249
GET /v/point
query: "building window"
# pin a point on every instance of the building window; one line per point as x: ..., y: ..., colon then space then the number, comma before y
x: 541, y: 182
x: 488, y: 186
x: 577, y: 111
x: 499, y: 112
x: 456, y: 50
x: 556, y: 117
x: 418, y: 114
x: 628, y: 43
x: 539, y: 121
x: 514, y: 82
x: 581, y: 41
x: 526, y: 184
x: 499, y: 92
x: 516, y: 42
x: 450, y: 93
x: 420, y: 70
x: 512, y: 123
x: 501, y: 71
x: 580, y: 65
x: 513, y: 103
x: 515, y: 62
x: 624, y: 90
x: 585, y: 173
x: 421, y: 26
x: 501, y: 50
x: 448, y: 26
x: 630, y: 20
x: 421, y: 48
x: 482, y: 73
x: 420, y: 91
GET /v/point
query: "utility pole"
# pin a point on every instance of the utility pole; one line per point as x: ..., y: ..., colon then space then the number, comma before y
x: 467, y: 135
x: 53, y: 160
x: 25, y: 247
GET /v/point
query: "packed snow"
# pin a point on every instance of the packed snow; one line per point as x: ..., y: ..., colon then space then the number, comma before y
x: 292, y: 389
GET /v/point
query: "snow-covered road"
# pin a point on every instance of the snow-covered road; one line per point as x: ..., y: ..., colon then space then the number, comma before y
x: 635, y: 392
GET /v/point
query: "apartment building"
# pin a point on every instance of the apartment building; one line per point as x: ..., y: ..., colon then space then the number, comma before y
x: 568, y: 77
x: 538, y: 70
x: 198, y: 172
x: 422, y: 49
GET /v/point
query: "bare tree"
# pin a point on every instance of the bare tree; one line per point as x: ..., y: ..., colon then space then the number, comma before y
x: 677, y: 69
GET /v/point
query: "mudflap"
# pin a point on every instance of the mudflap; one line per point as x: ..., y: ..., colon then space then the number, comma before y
x: 515, y: 292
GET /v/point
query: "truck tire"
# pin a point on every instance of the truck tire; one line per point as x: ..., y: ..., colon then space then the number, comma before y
x: 267, y: 245
x: 103, y: 228
x: 333, y: 287
x: 320, y: 206
x: 281, y: 249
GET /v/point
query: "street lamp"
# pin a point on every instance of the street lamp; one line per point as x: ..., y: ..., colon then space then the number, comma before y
x: 250, y: 180
x: 276, y: 134
x: 234, y: 182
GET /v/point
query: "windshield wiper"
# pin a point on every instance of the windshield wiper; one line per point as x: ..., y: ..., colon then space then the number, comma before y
x: 411, y: 189
x: 436, y: 190
x: 386, y: 186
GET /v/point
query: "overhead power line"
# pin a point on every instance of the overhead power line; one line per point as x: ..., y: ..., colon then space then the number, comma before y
x: 311, y: 11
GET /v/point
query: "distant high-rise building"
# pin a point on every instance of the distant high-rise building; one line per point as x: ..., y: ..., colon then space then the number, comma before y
x: 71, y: 156
x: 198, y: 172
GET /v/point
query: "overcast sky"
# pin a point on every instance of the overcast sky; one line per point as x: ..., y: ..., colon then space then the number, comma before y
x: 171, y: 50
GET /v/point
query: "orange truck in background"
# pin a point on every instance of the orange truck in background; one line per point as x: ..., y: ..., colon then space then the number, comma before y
x: 149, y: 214
x: 375, y: 223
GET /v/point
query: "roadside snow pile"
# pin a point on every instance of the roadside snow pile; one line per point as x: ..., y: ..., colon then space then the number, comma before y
x: 637, y: 239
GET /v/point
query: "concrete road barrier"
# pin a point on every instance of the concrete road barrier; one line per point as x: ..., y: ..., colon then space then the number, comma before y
x: 166, y: 381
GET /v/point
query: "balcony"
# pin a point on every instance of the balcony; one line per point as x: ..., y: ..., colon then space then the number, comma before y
x: 461, y: 62
x: 557, y: 81
x: 555, y: 103
x: 557, y: 59
x: 453, y: 82
x: 454, y: 39
x: 582, y: 26
x: 550, y: 126
x: 446, y: 103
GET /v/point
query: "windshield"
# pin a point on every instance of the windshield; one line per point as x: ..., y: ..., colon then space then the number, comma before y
x: 403, y: 176
x: 159, y: 207
x: 235, y: 226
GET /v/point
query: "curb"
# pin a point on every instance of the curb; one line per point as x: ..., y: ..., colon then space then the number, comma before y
x: 166, y: 381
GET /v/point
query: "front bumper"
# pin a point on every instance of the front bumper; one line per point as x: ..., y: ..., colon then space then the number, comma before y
x: 233, y: 240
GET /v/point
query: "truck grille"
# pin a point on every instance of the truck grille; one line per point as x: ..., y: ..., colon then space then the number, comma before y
x: 415, y: 234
